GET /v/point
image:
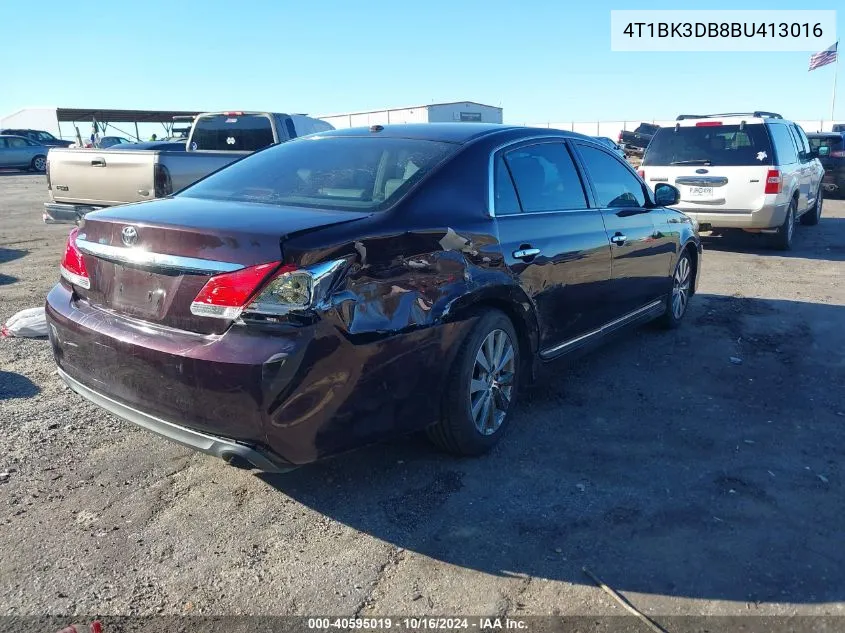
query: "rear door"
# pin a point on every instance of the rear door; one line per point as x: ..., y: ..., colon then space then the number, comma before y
x: 552, y: 241
x: 792, y: 172
x: 642, y: 257
x: 716, y: 167
x: 19, y: 151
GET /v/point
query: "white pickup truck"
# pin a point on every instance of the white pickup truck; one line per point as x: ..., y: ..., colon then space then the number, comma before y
x: 81, y: 180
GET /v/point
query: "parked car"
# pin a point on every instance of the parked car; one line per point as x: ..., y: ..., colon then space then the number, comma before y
x: 830, y: 148
x: 38, y: 136
x: 754, y: 171
x: 609, y: 143
x: 112, y: 141
x: 80, y: 180
x: 639, y: 139
x: 358, y: 284
x: 17, y: 152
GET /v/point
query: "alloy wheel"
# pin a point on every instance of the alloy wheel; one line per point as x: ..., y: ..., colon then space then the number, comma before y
x: 40, y: 163
x: 491, y: 385
x: 680, y: 287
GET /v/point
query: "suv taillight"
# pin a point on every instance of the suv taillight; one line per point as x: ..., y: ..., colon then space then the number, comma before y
x: 162, y: 184
x: 73, y: 267
x: 774, y: 181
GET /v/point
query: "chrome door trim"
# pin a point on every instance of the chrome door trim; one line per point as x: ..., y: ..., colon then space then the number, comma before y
x: 139, y: 257
x: 561, y: 347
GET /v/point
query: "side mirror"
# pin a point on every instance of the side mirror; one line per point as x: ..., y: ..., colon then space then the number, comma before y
x: 823, y: 150
x: 666, y: 195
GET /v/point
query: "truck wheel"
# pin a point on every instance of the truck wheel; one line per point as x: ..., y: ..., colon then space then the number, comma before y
x: 481, y: 388
x: 782, y: 240
x: 811, y: 217
x: 39, y: 163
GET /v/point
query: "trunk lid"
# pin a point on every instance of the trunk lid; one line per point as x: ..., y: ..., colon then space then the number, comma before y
x: 149, y: 261
x: 732, y: 188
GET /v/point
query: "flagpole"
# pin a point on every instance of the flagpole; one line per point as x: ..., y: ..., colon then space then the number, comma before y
x: 835, y: 72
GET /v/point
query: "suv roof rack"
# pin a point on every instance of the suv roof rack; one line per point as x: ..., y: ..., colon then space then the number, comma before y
x: 758, y: 114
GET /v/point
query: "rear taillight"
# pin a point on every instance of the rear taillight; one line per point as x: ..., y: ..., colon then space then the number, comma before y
x: 47, y: 172
x: 774, y: 181
x: 266, y: 289
x: 162, y: 184
x: 73, y: 264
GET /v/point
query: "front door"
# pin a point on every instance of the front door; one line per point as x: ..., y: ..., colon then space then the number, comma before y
x: 552, y: 240
x: 642, y: 257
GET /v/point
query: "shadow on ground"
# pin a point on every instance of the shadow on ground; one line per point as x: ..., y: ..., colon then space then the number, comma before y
x: 659, y: 462
x: 11, y: 254
x: 14, y: 385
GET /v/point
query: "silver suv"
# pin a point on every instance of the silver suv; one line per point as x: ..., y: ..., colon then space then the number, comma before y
x: 753, y: 171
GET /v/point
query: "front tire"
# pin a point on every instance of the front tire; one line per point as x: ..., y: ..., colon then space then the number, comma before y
x: 481, y: 390
x: 39, y: 163
x: 782, y: 240
x: 679, y: 295
x: 811, y: 217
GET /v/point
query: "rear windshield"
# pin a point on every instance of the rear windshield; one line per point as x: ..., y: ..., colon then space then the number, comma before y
x: 647, y: 128
x: 348, y: 173
x: 835, y: 143
x: 718, y: 145
x: 237, y: 133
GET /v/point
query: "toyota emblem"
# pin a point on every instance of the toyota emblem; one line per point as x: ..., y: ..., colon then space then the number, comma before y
x: 129, y: 235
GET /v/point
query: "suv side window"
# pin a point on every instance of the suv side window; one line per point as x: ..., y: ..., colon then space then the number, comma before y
x: 784, y: 144
x: 545, y: 178
x: 614, y: 184
x: 803, y: 142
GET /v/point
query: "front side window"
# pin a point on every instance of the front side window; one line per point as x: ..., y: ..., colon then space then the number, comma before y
x: 545, y: 178
x: 44, y: 136
x: 784, y: 144
x: 614, y: 184
x: 345, y: 172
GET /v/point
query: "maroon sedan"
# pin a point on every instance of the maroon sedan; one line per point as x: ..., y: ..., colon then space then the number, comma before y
x: 358, y: 284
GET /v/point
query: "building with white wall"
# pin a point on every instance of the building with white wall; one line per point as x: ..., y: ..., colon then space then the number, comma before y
x: 431, y: 113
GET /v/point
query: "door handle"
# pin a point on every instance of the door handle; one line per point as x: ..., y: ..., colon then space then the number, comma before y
x: 526, y: 253
x: 619, y: 239
x: 98, y: 162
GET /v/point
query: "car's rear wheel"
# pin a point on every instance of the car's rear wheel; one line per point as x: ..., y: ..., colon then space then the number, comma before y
x: 679, y: 295
x: 39, y: 163
x: 481, y: 388
x: 782, y: 240
x: 811, y: 217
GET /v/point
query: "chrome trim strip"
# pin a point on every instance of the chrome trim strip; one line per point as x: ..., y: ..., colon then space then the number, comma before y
x: 553, y: 351
x: 203, y: 442
x: 141, y: 257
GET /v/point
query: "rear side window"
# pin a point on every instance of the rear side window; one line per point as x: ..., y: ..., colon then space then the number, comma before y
x: 784, y: 144
x: 615, y: 185
x: 506, y: 202
x: 545, y: 178
x: 717, y: 145
x: 345, y: 173
x: 242, y: 133
x: 17, y: 142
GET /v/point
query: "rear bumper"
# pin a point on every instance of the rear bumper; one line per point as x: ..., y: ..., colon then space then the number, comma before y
x: 769, y: 216
x: 61, y: 213
x: 292, y: 394
x: 226, y: 449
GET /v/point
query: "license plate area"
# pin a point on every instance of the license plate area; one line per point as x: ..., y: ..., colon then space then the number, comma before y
x: 705, y: 193
x: 141, y: 293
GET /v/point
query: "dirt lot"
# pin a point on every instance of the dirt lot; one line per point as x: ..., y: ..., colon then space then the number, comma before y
x: 691, y: 483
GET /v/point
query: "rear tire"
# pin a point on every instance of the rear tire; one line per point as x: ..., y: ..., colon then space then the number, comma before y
x: 680, y: 293
x: 481, y: 389
x: 811, y: 217
x: 782, y: 240
x: 39, y: 163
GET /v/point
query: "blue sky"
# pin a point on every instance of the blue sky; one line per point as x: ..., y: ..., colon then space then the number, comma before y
x: 539, y: 60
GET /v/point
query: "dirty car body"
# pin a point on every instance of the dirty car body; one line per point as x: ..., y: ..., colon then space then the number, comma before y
x: 313, y: 297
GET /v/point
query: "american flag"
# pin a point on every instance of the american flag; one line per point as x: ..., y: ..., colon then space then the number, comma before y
x: 827, y: 56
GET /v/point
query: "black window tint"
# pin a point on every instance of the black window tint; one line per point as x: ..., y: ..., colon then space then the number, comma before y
x: 717, y: 145
x: 615, y: 185
x: 506, y: 202
x: 784, y: 144
x: 239, y: 132
x: 545, y: 178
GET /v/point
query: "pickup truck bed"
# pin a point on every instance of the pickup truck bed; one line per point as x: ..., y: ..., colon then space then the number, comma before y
x: 81, y: 180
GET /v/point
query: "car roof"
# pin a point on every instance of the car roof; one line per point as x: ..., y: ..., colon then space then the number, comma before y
x: 728, y: 120
x: 460, y: 133
x: 13, y: 136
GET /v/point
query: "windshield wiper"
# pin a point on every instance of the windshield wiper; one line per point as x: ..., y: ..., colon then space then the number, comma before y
x: 697, y: 161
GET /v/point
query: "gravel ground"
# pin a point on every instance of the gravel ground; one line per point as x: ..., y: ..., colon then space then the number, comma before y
x: 691, y: 483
